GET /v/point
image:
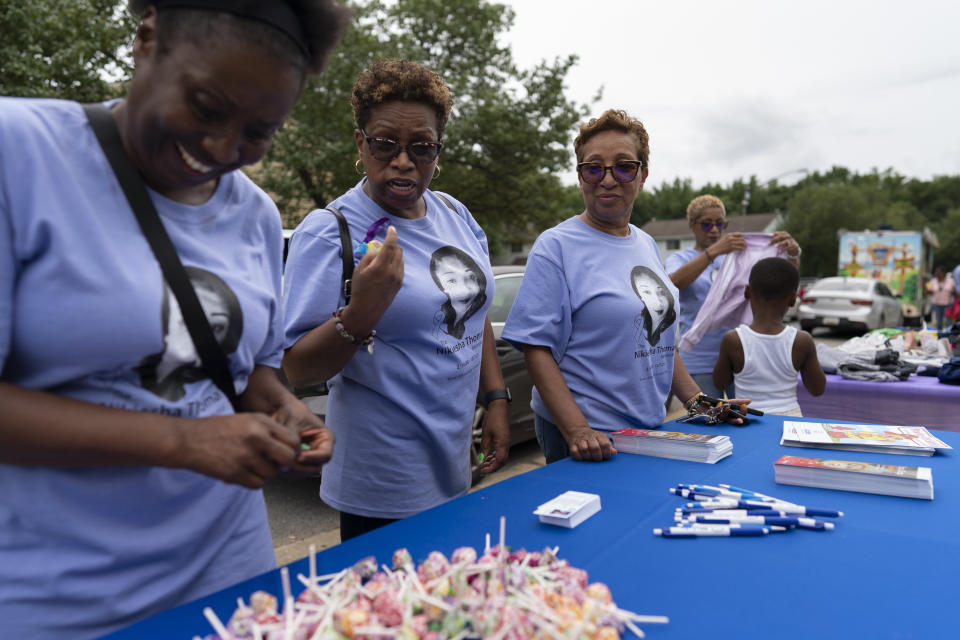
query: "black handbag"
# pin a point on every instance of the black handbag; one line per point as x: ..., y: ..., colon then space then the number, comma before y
x: 214, y: 360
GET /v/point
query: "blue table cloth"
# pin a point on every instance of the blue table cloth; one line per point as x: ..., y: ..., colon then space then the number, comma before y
x: 888, y: 570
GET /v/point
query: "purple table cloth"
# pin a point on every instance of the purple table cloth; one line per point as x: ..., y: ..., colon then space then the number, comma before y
x: 920, y: 401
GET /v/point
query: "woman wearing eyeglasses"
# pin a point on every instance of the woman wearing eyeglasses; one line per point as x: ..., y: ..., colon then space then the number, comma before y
x: 692, y: 271
x: 402, y: 392
x: 594, y: 313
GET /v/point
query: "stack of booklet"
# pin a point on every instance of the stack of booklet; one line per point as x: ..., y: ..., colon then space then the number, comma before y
x: 874, y: 438
x: 846, y: 475
x: 568, y: 509
x: 695, y: 447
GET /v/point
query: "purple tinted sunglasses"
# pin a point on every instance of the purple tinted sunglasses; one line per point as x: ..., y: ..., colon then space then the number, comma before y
x: 719, y: 224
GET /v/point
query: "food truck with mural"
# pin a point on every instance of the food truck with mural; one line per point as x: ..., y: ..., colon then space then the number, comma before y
x: 902, y: 260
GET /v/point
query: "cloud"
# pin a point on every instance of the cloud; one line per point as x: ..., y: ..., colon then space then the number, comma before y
x: 750, y: 129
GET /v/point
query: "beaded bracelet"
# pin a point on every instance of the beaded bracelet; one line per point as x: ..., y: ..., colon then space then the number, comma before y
x: 367, y: 342
x: 695, y: 400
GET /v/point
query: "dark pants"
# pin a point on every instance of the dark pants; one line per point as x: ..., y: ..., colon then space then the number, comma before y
x: 705, y: 382
x: 551, y: 441
x: 939, y: 312
x: 352, y: 525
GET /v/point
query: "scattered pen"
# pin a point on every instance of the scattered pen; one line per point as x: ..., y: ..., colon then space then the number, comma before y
x: 681, y: 532
x: 728, y: 513
x: 783, y: 521
x: 697, y: 524
x: 719, y: 526
x: 703, y: 493
x: 786, y: 507
x: 730, y: 487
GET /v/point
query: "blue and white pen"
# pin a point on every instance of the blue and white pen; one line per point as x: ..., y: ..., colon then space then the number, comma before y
x: 720, y: 504
x: 682, y: 485
x: 795, y: 509
x: 786, y: 507
x: 701, y: 525
x: 732, y: 514
x: 682, y: 532
x: 724, y: 512
x: 730, y: 487
x: 783, y: 521
x: 701, y: 492
x: 720, y: 525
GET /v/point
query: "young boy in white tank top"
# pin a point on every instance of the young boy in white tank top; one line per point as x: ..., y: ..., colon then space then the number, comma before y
x: 763, y: 359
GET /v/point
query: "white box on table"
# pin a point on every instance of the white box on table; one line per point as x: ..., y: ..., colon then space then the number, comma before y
x: 568, y: 509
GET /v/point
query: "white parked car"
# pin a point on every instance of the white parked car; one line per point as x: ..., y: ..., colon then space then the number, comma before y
x: 851, y: 303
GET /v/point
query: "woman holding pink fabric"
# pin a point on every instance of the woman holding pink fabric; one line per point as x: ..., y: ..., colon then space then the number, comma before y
x: 693, y: 270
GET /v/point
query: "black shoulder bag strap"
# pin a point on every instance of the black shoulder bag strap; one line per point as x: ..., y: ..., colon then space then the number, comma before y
x: 346, y: 245
x: 346, y: 250
x: 214, y: 360
x: 446, y: 201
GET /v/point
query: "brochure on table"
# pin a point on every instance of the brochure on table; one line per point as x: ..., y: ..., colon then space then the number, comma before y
x: 861, y: 437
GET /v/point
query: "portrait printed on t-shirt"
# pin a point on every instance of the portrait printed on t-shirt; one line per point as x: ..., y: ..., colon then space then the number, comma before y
x: 659, y: 311
x: 166, y: 373
x: 463, y: 283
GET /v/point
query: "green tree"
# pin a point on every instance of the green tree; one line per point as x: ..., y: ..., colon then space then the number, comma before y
x: 816, y: 212
x: 509, y: 135
x: 666, y: 202
x: 70, y: 50
x: 948, y: 233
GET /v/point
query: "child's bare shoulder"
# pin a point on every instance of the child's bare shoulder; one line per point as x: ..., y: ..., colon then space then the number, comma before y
x: 803, y: 339
x: 730, y: 337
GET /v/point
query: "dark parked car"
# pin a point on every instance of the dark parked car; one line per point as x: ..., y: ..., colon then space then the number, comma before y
x: 506, y: 283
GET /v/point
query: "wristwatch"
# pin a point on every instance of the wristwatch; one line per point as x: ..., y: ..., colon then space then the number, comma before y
x: 497, y: 394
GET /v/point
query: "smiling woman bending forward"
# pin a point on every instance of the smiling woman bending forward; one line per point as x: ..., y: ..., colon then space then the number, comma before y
x: 126, y: 474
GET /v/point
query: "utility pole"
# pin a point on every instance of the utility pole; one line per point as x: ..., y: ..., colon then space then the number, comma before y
x: 746, y: 194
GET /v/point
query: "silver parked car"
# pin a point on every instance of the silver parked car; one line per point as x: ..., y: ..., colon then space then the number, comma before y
x: 805, y: 283
x: 851, y: 303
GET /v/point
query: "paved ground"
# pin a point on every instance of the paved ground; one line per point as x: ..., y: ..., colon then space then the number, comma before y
x: 298, y: 518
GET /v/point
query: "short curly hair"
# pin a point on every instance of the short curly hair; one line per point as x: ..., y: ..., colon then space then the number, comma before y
x: 700, y: 203
x: 323, y: 23
x: 615, y: 120
x: 405, y: 80
x: 774, y: 279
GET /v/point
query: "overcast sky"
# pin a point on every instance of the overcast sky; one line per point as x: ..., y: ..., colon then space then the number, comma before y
x: 729, y: 89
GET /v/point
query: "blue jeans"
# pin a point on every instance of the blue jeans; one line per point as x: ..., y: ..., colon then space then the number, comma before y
x: 551, y: 441
x: 705, y: 382
x: 939, y: 311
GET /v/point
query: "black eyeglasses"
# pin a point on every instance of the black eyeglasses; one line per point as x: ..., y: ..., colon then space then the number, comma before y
x: 386, y: 149
x: 719, y: 224
x: 622, y: 171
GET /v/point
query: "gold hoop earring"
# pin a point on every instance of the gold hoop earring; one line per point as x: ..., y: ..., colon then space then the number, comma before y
x: 436, y: 171
x: 359, y: 167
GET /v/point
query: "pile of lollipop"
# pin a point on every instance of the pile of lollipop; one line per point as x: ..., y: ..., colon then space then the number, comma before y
x: 501, y: 595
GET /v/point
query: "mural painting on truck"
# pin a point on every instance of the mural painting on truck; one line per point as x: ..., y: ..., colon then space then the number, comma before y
x: 900, y: 259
